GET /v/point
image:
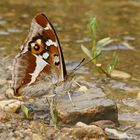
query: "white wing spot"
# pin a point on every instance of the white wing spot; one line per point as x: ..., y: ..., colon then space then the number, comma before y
x: 32, y: 44
x: 56, y: 59
x: 45, y: 55
x: 48, y: 27
x: 50, y: 42
x: 38, y: 41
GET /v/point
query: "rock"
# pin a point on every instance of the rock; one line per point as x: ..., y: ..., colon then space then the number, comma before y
x: 83, y: 89
x: 13, y: 138
x: 36, y: 137
x: 4, y: 117
x: 115, y: 84
x: 3, y: 81
x: 80, y: 131
x: 88, y: 108
x: 85, y: 132
x: 18, y: 134
x: 10, y: 105
x: 131, y: 102
x: 118, y: 135
x: 138, y: 125
x: 104, y: 124
x: 2, y: 97
x: 120, y: 74
x: 52, y: 133
x: 9, y: 93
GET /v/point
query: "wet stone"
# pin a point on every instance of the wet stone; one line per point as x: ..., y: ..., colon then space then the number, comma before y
x: 88, y: 108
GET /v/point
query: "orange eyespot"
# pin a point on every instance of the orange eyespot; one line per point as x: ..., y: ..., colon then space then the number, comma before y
x: 37, y: 47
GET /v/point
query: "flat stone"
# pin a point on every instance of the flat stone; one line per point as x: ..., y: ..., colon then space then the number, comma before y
x: 88, y: 108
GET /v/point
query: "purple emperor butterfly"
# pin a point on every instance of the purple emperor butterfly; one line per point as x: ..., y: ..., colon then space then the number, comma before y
x: 40, y: 55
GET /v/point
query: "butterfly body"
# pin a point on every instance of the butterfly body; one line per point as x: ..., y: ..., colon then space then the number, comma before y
x: 40, y: 56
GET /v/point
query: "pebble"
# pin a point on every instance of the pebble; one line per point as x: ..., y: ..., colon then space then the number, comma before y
x: 19, y: 134
x: 3, y: 81
x: 137, y: 125
x: 36, y: 137
x: 10, y: 105
x: 9, y: 93
x: 3, y: 116
x: 13, y: 138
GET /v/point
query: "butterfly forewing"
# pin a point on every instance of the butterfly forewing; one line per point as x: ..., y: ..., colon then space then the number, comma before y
x: 40, y: 55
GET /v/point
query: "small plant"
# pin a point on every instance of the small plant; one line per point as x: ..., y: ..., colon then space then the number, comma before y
x: 97, y: 47
x: 42, y: 128
x: 53, y: 112
x: 113, y: 64
x: 28, y: 113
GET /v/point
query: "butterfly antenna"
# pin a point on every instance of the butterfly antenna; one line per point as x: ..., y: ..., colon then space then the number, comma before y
x: 79, y: 65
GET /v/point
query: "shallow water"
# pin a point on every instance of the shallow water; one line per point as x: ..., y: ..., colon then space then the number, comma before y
x: 117, y: 19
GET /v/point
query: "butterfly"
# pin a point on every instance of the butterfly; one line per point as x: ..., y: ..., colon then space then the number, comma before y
x: 40, y: 57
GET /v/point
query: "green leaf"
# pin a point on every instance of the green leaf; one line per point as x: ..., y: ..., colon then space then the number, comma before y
x: 114, y: 63
x: 92, y: 26
x: 86, y: 51
x: 53, y: 113
x: 25, y: 111
x: 104, y: 41
x: 101, y: 43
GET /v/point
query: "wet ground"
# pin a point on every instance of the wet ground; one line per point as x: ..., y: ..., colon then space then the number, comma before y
x: 117, y: 19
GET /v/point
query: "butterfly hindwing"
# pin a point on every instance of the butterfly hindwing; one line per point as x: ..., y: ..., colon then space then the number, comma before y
x: 40, y: 54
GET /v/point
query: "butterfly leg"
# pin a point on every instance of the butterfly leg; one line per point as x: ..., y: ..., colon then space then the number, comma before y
x: 69, y: 94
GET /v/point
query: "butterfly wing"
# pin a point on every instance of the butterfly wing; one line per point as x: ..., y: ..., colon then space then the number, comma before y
x: 40, y: 55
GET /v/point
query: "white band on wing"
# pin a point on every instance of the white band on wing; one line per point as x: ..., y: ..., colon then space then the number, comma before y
x: 40, y: 65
